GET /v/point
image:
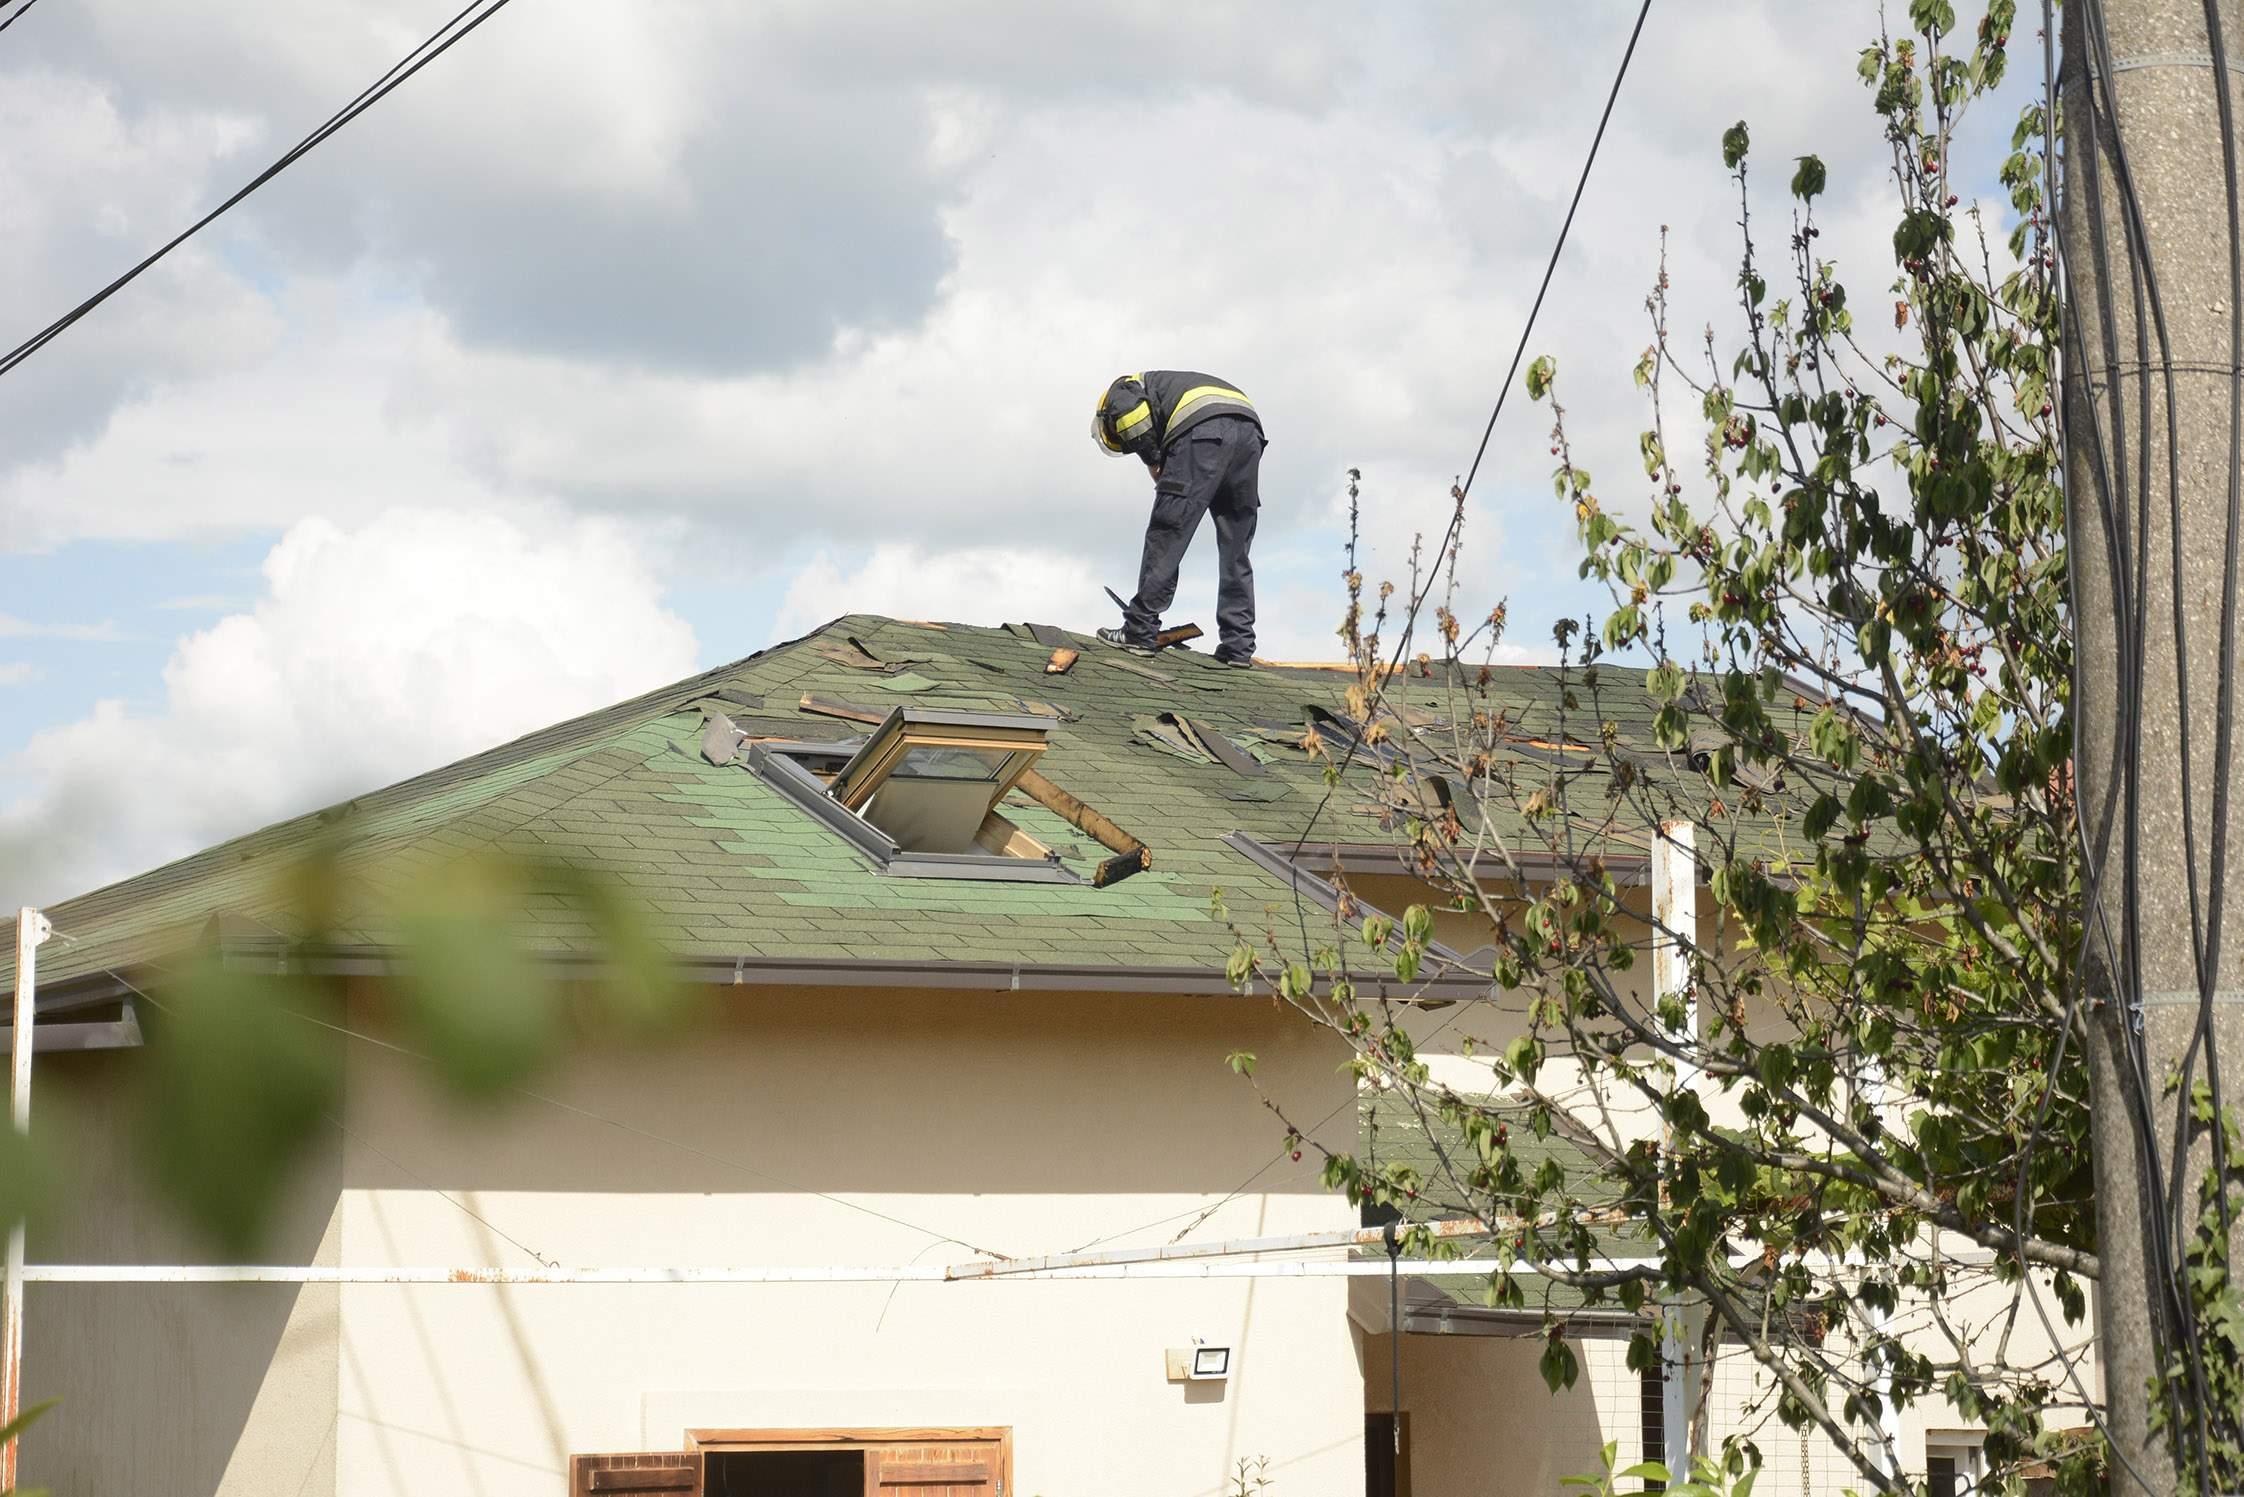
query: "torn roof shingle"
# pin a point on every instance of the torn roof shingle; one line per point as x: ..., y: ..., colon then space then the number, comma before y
x: 726, y: 868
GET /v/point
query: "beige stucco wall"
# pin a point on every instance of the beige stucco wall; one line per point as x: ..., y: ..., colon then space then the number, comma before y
x: 185, y: 1389
x: 806, y: 1127
x: 1979, y: 1308
x: 1482, y: 1423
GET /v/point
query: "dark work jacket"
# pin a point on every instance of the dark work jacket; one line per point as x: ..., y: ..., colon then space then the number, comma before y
x: 1181, y: 399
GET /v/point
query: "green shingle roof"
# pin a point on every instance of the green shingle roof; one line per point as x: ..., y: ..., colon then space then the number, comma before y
x: 727, y: 869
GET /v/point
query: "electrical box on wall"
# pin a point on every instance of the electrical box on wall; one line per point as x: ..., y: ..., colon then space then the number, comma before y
x: 1198, y: 1364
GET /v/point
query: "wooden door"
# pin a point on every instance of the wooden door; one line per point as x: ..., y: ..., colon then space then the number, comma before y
x: 968, y: 1468
x: 654, y: 1473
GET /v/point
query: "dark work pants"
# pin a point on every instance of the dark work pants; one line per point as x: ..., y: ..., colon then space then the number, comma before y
x: 1211, y: 470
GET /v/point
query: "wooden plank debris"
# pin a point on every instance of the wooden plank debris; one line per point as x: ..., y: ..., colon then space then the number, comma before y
x: 1130, y: 855
x: 826, y: 706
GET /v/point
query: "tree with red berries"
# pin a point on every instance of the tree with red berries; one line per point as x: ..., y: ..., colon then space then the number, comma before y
x: 1853, y: 603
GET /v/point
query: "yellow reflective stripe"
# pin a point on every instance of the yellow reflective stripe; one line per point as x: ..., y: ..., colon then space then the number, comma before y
x: 1138, y: 417
x: 1200, y: 394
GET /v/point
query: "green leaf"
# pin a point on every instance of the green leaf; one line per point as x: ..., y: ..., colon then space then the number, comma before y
x: 1821, y: 817
x: 1539, y: 376
x: 1933, y: 17
x: 1734, y: 142
x: 1559, y: 1366
x: 241, y: 1078
x: 1239, y: 965
x: 482, y: 1010
x: 28, y: 1177
x: 1807, y: 182
x: 15, y: 1427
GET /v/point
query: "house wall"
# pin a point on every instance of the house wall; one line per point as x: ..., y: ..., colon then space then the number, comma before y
x: 1482, y: 1423
x: 1020, y: 1124
x: 1978, y: 1307
x: 168, y: 1388
x: 801, y: 1127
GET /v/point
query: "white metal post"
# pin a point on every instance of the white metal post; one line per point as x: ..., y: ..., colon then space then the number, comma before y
x: 31, y: 929
x: 1885, y: 1455
x: 1675, y: 915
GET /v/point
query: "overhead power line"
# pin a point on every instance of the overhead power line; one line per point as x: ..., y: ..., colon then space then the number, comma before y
x: 1526, y: 332
x: 1612, y: 95
x: 438, y: 43
x: 18, y: 15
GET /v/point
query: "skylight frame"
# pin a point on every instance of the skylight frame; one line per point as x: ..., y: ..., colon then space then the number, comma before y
x: 782, y: 766
x: 1023, y: 738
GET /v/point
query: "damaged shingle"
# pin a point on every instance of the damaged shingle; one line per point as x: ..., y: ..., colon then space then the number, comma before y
x: 1222, y: 749
x: 1163, y: 731
x: 909, y: 681
x: 720, y: 740
x: 1194, y: 740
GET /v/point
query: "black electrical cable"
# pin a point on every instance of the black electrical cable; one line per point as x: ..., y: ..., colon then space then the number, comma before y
x: 1580, y: 182
x: 27, y: 4
x: 437, y: 44
x: 2144, y: 280
x: 2132, y: 620
x: 2109, y: 497
x: 1526, y: 331
x: 2204, y: 923
x: 2163, y: 1180
x: 2224, y: 716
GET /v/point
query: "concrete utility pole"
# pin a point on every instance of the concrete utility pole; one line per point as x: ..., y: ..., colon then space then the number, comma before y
x: 2142, y: 76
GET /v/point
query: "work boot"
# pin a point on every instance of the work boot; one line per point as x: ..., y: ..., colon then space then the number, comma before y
x: 1236, y: 662
x: 1123, y: 641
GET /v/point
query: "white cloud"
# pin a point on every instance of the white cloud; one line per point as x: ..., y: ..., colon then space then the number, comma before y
x: 375, y: 652
x: 18, y: 673
x: 990, y: 585
x: 1358, y: 254
x: 801, y: 279
x: 981, y: 585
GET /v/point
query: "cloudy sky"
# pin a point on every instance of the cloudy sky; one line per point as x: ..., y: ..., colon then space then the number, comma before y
x: 628, y: 338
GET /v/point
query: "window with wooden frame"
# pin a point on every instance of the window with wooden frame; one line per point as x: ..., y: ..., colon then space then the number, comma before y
x: 919, y: 795
x: 809, y: 1463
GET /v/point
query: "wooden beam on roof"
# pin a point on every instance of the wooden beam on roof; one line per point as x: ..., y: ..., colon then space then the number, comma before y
x: 1130, y: 855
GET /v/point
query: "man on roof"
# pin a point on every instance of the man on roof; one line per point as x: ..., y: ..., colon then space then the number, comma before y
x: 1203, y: 442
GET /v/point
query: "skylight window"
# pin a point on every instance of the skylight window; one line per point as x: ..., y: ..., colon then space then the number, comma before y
x: 919, y: 795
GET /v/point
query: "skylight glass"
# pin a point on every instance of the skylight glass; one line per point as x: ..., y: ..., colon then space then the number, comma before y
x: 919, y: 795
x: 934, y: 761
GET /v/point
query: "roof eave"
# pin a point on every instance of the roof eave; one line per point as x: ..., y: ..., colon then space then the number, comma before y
x: 109, y: 984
